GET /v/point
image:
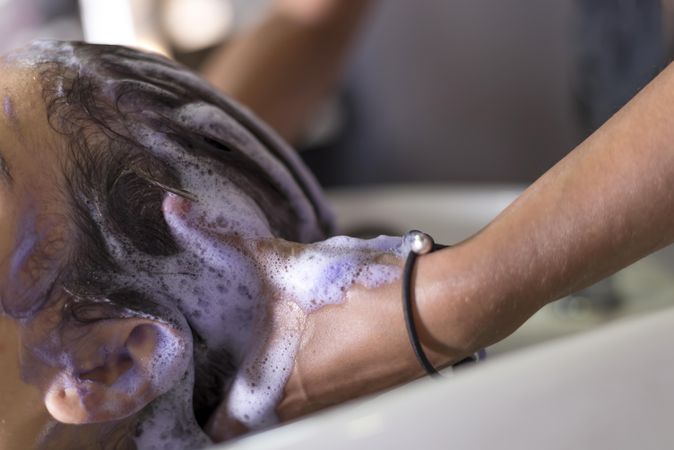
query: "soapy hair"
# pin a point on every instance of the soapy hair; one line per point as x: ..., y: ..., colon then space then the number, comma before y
x: 118, y: 110
x: 109, y: 103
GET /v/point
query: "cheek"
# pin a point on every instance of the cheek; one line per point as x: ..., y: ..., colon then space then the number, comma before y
x: 39, y: 352
x: 18, y: 399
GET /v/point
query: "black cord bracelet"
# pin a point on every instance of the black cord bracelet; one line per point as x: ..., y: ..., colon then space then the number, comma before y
x: 420, y: 244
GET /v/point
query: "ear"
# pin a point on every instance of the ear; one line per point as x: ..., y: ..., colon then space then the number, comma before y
x: 115, y: 368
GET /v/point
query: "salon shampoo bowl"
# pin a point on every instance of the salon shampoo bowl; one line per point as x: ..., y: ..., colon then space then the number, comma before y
x: 611, y: 389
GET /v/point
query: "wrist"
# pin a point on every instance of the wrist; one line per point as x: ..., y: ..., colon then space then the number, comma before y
x: 447, y: 309
x: 468, y: 298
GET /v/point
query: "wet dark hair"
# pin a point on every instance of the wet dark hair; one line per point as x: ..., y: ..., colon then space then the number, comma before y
x: 94, y: 96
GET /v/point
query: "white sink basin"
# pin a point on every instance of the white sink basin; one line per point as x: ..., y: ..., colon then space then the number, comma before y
x: 612, y: 389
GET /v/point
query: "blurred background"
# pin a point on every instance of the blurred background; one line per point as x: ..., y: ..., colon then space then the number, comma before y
x: 435, y: 90
x: 446, y: 110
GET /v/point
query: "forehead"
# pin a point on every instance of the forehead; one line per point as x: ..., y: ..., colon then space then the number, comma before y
x: 16, y: 83
x: 29, y: 148
x: 31, y: 205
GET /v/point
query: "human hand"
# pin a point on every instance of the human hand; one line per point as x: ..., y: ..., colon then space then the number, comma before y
x: 328, y: 330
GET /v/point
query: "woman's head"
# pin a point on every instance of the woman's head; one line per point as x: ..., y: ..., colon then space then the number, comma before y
x: 110, y: 159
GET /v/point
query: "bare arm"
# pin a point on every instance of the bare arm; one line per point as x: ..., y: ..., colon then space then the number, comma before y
x: 607, y: 204
x: 283, y: 68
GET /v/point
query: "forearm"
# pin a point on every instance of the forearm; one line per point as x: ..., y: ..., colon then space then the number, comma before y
x: 283, y: 68
x: 610, y: 202
x: 607, y: 204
